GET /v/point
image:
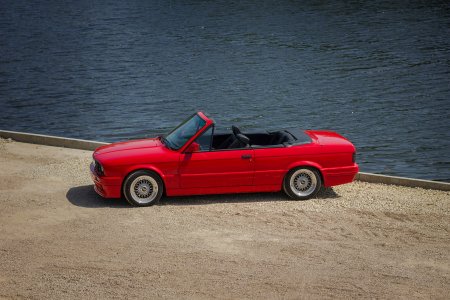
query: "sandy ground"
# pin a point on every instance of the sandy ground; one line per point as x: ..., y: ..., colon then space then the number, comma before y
x: 58, y: 239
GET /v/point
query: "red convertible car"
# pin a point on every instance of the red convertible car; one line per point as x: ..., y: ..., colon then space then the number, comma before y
x: 192, y: 160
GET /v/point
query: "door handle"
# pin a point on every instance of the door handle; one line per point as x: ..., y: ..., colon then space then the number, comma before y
x: 246, y: 156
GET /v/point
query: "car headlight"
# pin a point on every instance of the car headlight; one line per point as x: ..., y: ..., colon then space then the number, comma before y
x: 98, y: 168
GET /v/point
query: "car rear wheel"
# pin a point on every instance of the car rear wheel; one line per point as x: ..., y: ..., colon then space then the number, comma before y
x: 143, y: 188
x: 302, y: 183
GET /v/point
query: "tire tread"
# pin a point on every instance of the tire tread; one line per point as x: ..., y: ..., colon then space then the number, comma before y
x: 129, y: 179
x: 292, y: 195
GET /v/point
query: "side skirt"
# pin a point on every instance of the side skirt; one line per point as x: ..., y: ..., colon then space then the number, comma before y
x: 224, y: 190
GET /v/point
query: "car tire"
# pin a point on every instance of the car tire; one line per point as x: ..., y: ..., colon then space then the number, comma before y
x: 143, y: 188
x: 302, y: 183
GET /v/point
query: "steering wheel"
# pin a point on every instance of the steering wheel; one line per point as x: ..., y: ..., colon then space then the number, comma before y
x: 236, y: 130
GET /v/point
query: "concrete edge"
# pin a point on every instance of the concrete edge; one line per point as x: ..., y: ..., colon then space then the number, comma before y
x: 403, y: 181
x: 49, y: 140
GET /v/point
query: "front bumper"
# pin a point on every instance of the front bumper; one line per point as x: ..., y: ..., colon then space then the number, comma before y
x: 107, y: 187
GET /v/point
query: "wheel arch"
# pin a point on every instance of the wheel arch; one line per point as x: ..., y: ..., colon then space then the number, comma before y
x: 146, y: 168
x: 308, y: 164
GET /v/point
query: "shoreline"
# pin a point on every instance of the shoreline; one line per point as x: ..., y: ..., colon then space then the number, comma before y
x: 49, y: 140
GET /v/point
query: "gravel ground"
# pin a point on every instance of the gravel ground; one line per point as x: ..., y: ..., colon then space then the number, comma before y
x: 58, y: 239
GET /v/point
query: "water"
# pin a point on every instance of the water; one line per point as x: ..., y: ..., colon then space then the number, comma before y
x: 376, y: 72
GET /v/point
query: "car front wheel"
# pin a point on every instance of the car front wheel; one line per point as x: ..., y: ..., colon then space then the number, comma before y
x: 302, y: 183
x: 143, y: 188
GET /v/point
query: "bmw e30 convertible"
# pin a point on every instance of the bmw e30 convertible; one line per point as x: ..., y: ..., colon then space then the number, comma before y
x: 194, y: 160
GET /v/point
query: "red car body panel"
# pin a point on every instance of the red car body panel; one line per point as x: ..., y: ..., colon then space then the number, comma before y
x: 223, y: 171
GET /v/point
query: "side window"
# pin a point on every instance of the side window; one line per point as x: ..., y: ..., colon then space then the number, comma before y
x: 205, y: 139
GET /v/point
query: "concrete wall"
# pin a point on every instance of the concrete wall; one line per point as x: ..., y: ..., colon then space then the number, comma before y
x: 50, y: 140
x: 92, y: 145
x: 404, y: 181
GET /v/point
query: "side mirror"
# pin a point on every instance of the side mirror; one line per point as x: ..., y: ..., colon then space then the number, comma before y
x: 194, y: 147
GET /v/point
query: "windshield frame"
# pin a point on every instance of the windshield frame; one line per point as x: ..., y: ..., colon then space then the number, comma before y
x: 174, y: 139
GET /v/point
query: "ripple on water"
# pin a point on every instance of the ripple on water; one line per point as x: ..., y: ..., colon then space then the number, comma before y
x: 376, y: 72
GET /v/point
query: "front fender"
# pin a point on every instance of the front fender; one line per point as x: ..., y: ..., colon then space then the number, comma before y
x: 153, y: 168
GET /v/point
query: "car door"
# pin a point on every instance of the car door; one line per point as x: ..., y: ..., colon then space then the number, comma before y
x: 226, y: 168
x: 218, y: 168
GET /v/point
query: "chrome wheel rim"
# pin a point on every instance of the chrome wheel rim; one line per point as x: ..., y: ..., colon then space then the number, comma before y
x: 303, y: 182
x: 144, y: 189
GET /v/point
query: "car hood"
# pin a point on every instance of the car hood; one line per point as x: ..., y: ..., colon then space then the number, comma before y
x: 130, y: 145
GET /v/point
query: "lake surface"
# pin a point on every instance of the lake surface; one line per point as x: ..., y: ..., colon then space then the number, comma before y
x: 376, y: 72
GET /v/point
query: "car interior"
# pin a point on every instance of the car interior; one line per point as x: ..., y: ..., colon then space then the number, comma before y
x: 263, y: 140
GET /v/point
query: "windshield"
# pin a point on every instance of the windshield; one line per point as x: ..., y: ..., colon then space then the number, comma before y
x: 183, y: 132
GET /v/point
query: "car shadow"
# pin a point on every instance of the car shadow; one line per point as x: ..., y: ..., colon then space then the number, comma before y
x: 85, y: 196
x: 326, y: 194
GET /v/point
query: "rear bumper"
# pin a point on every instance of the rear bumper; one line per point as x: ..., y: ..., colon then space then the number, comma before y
x: 341, y: 175
x: 107, y: 187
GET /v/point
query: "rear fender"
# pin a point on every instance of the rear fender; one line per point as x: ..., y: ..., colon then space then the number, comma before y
x: 305, y: 163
